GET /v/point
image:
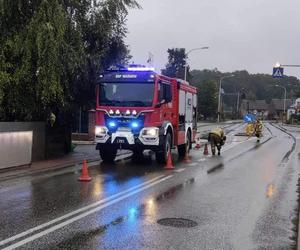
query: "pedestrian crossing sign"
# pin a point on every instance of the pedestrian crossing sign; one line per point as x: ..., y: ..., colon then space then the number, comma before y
x: 278, y: 72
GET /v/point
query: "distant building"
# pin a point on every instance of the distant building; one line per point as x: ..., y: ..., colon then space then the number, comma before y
x: 274, y: 110
x: 259, y: 107
x: 277, y: 107
x: 296, y: 104
x: 294, y: 109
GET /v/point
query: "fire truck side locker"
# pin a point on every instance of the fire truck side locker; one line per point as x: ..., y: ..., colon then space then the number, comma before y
x: 185, y: 121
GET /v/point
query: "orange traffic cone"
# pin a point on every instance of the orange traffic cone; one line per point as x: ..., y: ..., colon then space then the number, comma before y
x: 205, y: 150
x: 198, y: 146
x: 84, y: 174
x: 186, y: 158
x: 169, y: 165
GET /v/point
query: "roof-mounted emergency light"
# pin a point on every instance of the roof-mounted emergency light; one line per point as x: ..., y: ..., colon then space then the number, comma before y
x: 140, y: 69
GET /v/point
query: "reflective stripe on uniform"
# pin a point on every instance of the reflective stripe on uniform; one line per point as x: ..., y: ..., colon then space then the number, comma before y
x: 218, y: 131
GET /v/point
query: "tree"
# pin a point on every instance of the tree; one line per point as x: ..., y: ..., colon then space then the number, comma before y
x: 51, y: 52
x: 176, y: 62
x: 256, y: 86
x: 207, y: 99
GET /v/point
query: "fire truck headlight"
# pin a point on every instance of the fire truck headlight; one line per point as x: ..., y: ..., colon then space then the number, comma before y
x: 118, y: 112
x: 100, y: 130
x: 134, y: 112
x: 111, y: 112
x: 150, y: 132
x: 127, y: 112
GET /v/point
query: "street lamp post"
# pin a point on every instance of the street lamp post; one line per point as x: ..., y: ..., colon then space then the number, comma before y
x: 185, y: 66
x: 238, y: 102
x: 284, y: 102
x: 219, y: 97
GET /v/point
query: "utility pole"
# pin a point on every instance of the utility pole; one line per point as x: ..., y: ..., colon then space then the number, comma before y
x: 219, y: 97
x: 284, y: 101
x: 238, y: 102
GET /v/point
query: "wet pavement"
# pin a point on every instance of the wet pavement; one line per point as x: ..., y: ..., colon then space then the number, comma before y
x: 244, y: 199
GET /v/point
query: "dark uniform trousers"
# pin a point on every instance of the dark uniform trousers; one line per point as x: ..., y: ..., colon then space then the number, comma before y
x: 215, y: 141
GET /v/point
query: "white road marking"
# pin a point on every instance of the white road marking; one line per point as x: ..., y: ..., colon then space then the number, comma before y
x: 179, y: 170
x: 201, y: 160
x: 236, y: 144
x: 78, y: 217
x: 49, y: 223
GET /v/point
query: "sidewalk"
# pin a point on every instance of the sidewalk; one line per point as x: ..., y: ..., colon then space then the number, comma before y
x: 204, y: 124
x: 80, y: 153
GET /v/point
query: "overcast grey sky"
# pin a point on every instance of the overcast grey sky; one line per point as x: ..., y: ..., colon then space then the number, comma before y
x: 241, y: 34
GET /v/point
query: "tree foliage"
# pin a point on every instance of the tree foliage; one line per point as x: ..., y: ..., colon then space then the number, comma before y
x: 207, y: 99
x: 255, y: 86
x: 51, y: 52
x: 176, y: 62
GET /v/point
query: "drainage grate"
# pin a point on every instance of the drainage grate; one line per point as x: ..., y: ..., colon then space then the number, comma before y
x: 177, y: 222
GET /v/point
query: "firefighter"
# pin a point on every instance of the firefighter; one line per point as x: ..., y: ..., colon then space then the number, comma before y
x: 258, y: 129
x: 217, y: 139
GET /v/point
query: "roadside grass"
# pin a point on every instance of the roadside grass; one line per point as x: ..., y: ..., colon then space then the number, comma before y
x: 295, y: 221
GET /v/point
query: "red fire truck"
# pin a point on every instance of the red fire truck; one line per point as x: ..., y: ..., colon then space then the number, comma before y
x: 138, y: 109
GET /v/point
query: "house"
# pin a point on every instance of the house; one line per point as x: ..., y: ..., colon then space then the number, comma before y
x: 277, y: 107
x: 259, y: 107
x: 294, y: 109
x: 274, y: 110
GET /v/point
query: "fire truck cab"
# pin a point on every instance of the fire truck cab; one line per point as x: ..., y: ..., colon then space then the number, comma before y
x: 138, y: 109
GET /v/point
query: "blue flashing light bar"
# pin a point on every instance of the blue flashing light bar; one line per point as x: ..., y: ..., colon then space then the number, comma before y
x: 140, y: 69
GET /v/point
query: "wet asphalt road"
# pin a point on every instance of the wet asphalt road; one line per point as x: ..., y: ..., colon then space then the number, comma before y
x: 244, y: 199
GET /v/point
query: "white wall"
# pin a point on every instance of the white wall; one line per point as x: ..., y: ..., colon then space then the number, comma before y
x: 15, y: 148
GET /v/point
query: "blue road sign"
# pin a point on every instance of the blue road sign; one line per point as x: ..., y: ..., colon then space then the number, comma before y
x: 278, y: 72
x: 249, y: 118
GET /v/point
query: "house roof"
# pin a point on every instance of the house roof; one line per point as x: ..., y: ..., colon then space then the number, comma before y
x: 254, y: 105
x: 278, y: 104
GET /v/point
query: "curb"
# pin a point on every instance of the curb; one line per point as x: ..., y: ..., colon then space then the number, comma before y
x: 57, y: 167
x: 84, y: 142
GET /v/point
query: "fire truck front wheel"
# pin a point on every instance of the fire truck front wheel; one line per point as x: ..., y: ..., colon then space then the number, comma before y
x: 162, y: 154
x: 108, y: 155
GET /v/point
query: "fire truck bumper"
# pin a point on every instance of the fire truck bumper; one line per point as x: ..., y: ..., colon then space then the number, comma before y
x: 148, y: 138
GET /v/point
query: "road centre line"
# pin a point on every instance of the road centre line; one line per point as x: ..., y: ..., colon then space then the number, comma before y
x: 179, y: 170
x: 236, y: 144
x: 78, y: 217
x: 83, y: 209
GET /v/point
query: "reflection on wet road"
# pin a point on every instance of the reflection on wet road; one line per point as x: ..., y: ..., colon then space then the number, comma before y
x: 244, y: 199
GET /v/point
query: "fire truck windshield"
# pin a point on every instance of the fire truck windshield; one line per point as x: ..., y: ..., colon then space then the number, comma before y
x: 126, y: 94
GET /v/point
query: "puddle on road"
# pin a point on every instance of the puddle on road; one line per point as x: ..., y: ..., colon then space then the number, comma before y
x: 134, y: 213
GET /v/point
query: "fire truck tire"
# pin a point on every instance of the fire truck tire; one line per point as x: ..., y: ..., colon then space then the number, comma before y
x: 182, y: 148
x: 162, y: 155
x: 108, y: 155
